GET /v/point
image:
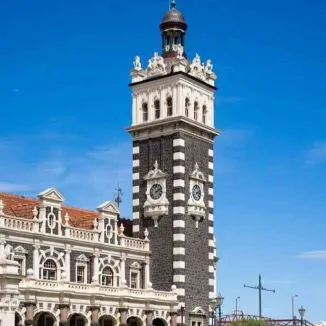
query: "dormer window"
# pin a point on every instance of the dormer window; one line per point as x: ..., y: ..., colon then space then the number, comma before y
x: 204, y: 118
x: 157, y: 108
x: 169, y: 106
x: 145, y: 111
x: 187, y: 106
x: 196, y: 108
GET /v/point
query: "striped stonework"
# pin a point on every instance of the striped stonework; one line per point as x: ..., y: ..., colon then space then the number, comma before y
x: 135, y: 189
x: 179, y: 205
x: 211, y: 242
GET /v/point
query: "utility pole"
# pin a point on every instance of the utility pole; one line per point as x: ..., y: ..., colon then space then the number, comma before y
x: 260, y: 288
x: 119, y: 194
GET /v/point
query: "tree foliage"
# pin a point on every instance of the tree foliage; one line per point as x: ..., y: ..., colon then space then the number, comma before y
x: 248, y: 322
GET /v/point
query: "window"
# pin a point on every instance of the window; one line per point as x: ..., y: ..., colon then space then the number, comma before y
x: 187, y: 105
x: 145, y: 111
x: 204, y: 113
x: 20, y: 261
x: 169, y: 106
x: 196, y: 110
x: 81, y: 274
x: 157, y: 108
x: 49, y: 270
x: 134, y: 280
x: 107, y: 277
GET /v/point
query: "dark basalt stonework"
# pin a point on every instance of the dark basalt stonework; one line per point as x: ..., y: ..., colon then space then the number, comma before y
x: 161, y: 239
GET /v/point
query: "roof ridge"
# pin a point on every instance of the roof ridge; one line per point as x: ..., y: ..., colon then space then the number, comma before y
x: 29, y: 198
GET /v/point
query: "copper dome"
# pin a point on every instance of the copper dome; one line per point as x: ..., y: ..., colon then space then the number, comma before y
x: 173, y: 19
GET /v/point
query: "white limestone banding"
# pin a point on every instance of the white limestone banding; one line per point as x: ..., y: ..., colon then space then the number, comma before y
x: 210, y: 204
x: 135, y: 163
x: 178, y: 223
x: 211, y: 191
x: 135, y: 150
x: 178, y: 183
x: 178, y: 142
x: 211, y: 165
x: 179, y: 278
x: 179, y: 237
x: 135, y: 228
x: 179, y: 264
x: 135, y: 176
x: 179, y: 251
x: 178, y: 169
x: 179, y: 196
x: 178, y: 156
x: 210, y: 153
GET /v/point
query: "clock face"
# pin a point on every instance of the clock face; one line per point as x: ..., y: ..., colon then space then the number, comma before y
x: 196, y: 192
x: 156, y: 191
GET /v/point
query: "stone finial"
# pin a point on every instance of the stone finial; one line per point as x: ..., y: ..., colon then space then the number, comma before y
x: 30, y: 273
x: 173, y: 288
x: 95, y: 224
x: 35, y: 212
x: 121, y: 229
x: 196, y: 167
x: 67, y: 218
x: 146, y: 234
x: 156, y: 166
x: 1, y: 206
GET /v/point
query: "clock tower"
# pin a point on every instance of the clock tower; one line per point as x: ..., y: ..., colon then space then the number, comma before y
x: 173, y: 133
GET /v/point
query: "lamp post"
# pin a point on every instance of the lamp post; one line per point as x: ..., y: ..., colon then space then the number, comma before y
x: 236, y: 305
x: 219, y: 301
x: 293, y: 297
x: 301, y: 313
x: 182, y: 310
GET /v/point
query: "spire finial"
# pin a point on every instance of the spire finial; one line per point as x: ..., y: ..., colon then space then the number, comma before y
x: 173, y: 4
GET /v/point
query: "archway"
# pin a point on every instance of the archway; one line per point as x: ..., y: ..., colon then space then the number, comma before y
x: 18, y: 319
x: 134, y: 321
x: 77, y: 320
x: 44, y: 319
x: 159, y: 322
x: 107, y: 320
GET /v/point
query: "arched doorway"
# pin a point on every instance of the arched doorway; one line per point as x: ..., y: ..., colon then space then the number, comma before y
x: 18, y: 319
x: 159, y: 322
x: 134, y: 321
x: 107, y: 321
x: 44, y: 319
x: 77, y: 320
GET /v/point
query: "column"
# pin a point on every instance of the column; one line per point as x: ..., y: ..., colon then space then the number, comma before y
x: 173, y: 320
x: 123, y: 270
x: 95, y: 316
x: 123, y: 316
x: 67, y: 262
x: 64, y: 312
x: 95, y: 271
x: 29, y: 314
x: 36, y: 261
x: 149, y: 317
x: 146, y: 271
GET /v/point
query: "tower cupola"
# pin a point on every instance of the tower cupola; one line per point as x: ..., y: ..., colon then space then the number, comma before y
x: 173, y: 28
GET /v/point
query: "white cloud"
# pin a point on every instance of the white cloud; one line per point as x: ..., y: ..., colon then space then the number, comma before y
x: 317, y: 153
x: 313, y: 255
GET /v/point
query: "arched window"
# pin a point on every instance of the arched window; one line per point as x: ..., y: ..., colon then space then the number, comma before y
x: 169, y: 106
x: 196, y: 108
x: 49, y: 270
x: 145, y: 111
x: 157, y: 108
x: 204, y: 118
x: 107, y: 276
x: 187, y: 106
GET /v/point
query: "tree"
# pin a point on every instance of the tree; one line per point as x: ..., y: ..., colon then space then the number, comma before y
x: 248, y: 322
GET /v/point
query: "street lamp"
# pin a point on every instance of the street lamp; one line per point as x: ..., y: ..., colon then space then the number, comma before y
x: 293, y: 297
x: 219, y: 301
x: 301, y: 313
x: 182, y: 310
x: 236, y: 305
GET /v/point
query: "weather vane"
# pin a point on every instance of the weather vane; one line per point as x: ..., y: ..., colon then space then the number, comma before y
x: 119, y: 194
x: 173, y: 4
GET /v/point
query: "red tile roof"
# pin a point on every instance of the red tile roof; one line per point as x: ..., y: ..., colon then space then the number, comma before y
x: 20, y: 206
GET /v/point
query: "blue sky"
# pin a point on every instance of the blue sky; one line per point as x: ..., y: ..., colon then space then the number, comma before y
x: 65, y: 103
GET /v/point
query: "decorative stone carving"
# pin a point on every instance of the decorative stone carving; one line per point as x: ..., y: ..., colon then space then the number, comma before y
x: 209, y: 67
x: 156, y: 204
x: 180, y: 51
x: 156, y: 65
x: 137, y: 63
x: 196, y: 206
x: 196, y: 68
